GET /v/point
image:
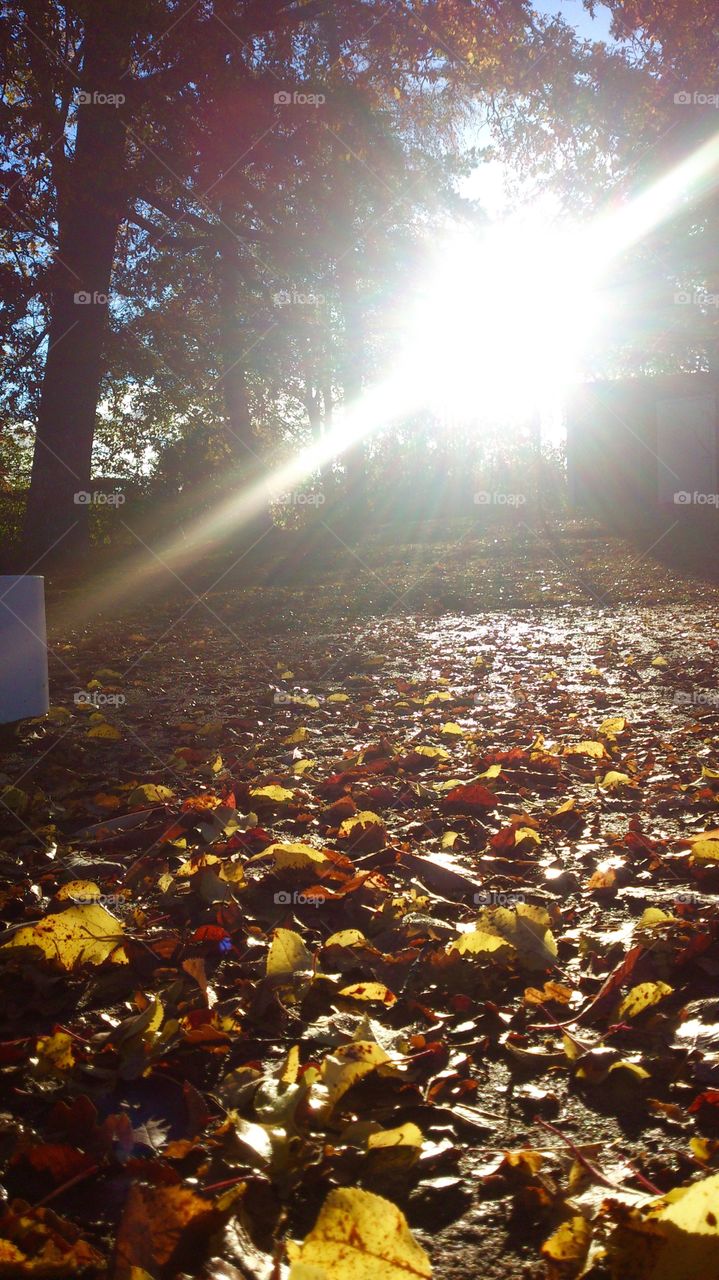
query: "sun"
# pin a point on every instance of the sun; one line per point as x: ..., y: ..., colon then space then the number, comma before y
x: 498, y: 326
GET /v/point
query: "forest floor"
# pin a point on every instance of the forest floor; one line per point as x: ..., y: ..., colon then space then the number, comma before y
x: 398, y: 876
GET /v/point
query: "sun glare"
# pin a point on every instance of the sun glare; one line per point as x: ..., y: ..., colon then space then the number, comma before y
x: 498, y: 327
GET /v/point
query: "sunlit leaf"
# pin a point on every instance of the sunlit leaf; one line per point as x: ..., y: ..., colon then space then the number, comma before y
x: 644, y: 996
x: 106, y: 731
x: 79, y: 935
x: 614, y: 779
x: 372, y: 992
x: 287, y: 954
x: 272, y: 794
x: 293, y: 856
x: 358, y: 1236
x: 596, y: 750
x: 612, y: 725
x: 567, y: 1247
x: 405, y: 1135
x: 347, y: 1065
x: 705, y: 850
x: 149, y: 793
x: 85, y: 889
x: 673, y: 1238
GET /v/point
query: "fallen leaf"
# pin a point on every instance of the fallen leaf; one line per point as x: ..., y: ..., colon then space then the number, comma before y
x: 358, y: 1236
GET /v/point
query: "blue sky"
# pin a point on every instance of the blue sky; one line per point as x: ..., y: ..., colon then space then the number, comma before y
x: 573, y: 11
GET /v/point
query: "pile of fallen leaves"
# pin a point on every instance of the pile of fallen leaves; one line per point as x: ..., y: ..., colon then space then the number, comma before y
x: 326, y: 953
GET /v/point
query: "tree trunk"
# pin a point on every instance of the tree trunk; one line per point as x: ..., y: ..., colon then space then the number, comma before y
x: 92, y: 201
x: 354, y: 460
x: 243, y: 441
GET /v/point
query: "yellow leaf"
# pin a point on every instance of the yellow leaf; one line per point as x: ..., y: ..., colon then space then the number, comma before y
x: 568, y: 1245
x: 405, y: 1135
x: 359, y: 1236
x: 338, y: 697
x: 452, y: 730
x: 614, y: 779
x: 291, y: 1066
x: 347, y: 938
x: 673, y: 1238
x: 287, y: 954
x: 149, y: 793
x: 527, y: 928
x: 493, y: 771
x: 375, y: 992
x: 56, y: 715
x: 291, y: 857
x: 567, y: 807
x: 273, y: 794
x: 705, y: 851
x: 54, y: 1053
x: 80, y: 935
x: 632, y: 1068
x: 437, y: 697
x: 596, y: 750
x: 107, y: 731
x: 524, y: 835
x: 301, y: 767
x: 78, y: 889
x: 644, y: 996
x: 652, y: 917
x: 479, y: 942
x: 348, y: 1064
x: 449, y: 839
x: 612, y: 725
x: 364, y: 831
x: 294, y: 739
x: 659, y: 662
x: 432, y: 753
x: 233, y: 873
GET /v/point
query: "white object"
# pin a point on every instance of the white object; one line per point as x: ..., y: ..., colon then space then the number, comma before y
x: 23, y: 648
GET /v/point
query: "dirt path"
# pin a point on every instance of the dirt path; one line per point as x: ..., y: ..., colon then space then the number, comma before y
x: 467, y: 827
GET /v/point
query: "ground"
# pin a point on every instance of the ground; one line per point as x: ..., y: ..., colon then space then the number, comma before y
x: 411, y: 842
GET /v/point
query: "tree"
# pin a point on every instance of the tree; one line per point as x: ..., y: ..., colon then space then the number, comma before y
x: 110, y: 118
x: 623, y: 115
